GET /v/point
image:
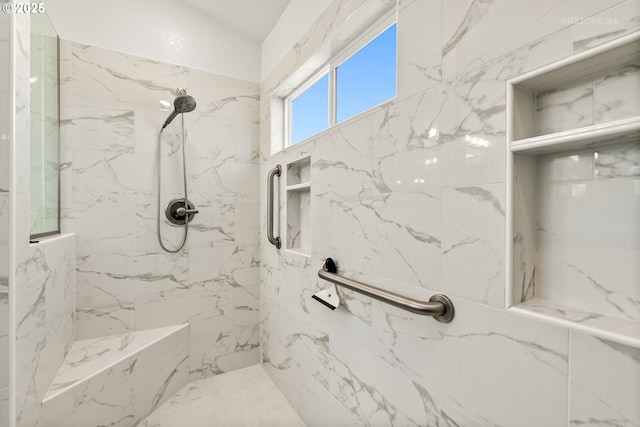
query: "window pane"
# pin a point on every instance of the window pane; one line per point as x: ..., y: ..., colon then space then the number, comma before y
x: 368, y: 78
x: 310, y: 111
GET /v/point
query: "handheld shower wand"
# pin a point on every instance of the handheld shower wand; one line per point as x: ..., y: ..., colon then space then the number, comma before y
x: 180, y: 210
x: 182, y: 104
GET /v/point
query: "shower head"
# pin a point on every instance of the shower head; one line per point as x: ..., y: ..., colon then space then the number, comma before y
x: 182, y: 104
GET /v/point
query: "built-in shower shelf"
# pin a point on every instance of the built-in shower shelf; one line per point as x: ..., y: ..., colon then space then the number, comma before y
x: 573, y: 156
x: 299, y: 187
x: 616, y: 131
x: 612, y: 328
x: 298, y: 206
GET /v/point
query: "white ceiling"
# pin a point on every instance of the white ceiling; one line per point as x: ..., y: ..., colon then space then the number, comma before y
x: 252, y: 18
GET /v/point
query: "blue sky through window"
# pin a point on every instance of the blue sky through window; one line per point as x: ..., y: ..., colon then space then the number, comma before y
x: 310, y: 111
x: 367, y: 78
x: 364, y: 80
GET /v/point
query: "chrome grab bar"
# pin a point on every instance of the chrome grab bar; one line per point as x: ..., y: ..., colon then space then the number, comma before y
x: 439, y: 306
x: 276, y: 171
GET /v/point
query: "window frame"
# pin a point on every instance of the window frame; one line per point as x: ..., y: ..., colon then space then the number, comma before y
x: 288, y: 104
x: 329, y: 68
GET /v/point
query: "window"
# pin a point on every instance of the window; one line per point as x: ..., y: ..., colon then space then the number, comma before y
x: 367, y: 78
x: 361, y: 77
x: 310, y: 110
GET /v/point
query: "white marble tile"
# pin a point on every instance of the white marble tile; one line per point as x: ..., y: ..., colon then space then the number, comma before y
x: 342, y: 162
x: 206, y: 312
x: 117, y: 76
x: 604, y: 382
x: 110, y: 176
x: 372, y: 390
x: 220, y: 352
x: 575, y: 165
x: 564, y: 108
x: 450, y: 416
x: 614, y: 94
x: 231, y: 265
x: 247, y: 397
x: 473, y: 243
x: 162, y: 369
x: 473, y: 128
x: 247, y: 223
x: 584, y: 229
x: 469, y: 28
x: 298, y: 220
x: 107, y: 320
x: 419, y: 41
x: 612, y: 23
x: 475, y: 360
x: 407, y: 151
x: 30, y: 340
x: 395, y: 235
x: 96, y: 126
x: 617, y: 160
x: 108, y: 397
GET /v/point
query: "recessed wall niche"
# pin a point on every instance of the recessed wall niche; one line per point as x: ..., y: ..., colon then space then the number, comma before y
x: 298, y: 206
x: 573, y: 133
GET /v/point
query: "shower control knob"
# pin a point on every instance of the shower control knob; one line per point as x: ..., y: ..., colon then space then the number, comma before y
x: 176, y: 212
x: 182, y: 211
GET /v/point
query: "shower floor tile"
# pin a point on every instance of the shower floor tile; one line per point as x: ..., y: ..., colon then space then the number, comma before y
x: 243, y: 398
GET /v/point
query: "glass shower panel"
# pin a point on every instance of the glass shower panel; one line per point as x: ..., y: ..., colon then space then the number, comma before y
x: 44, y: 177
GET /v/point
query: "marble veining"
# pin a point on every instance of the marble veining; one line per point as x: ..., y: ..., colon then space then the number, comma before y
x: 118, y: 380
x: 111, y: 118
x: 604, y: 98
x: 92, y: 355
x: 418, y: 184
x: 606, y: 383
x: 579, y: 239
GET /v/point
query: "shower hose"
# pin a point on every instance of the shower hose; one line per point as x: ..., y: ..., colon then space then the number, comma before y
x: 184, y: 176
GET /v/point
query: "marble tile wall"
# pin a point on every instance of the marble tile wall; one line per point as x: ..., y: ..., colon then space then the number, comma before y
x: 110, y: 119
x: 45, y: 321
x: 587, y: 250
x: 411, y: 197
x: 604, y: 99
x: 43, y: 285
x: 4, y: 215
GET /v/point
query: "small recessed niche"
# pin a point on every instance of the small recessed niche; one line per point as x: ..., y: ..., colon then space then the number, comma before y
x: 298, y: 206
x: 573, y: 137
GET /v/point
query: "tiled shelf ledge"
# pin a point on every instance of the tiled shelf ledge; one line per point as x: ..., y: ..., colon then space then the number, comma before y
x: 617, y: 131
x: 300, y: 251
x: 612, y: 328
x: 299, y: 187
